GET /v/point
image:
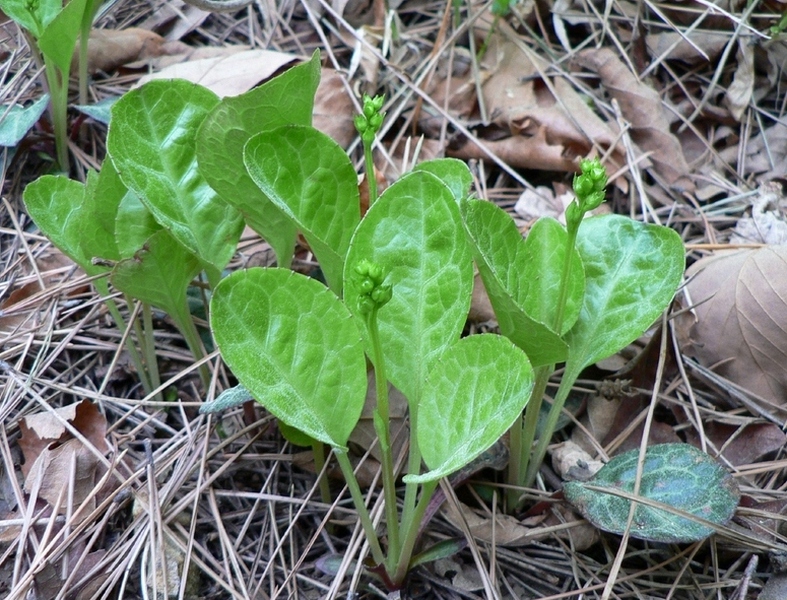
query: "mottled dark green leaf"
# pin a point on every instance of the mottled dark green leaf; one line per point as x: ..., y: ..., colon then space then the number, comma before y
x: 677, y: 475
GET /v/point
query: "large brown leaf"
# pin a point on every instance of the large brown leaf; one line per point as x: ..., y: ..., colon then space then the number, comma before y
x: 740, y: 303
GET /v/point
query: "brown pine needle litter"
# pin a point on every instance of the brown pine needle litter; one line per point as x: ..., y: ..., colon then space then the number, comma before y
x: 109, y: 492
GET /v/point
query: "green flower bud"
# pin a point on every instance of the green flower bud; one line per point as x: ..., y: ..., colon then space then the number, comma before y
x: 365, y: 305
x: 361, y: 124
x: 366, y: 286
x: 382, y: 294
x: 573, y: 215
x: 583, y: 186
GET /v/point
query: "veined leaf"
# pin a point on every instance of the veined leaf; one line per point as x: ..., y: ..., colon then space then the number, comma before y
x: 472, y: 396
x: 311, y: 179
x: 286, y: 99
x: 293, y: 344
x: 452, y: 172
x: 632, y: 270
x: 152, y: 142
x: 677, y: 475
x: 414, y: 232
x: 519, y: 292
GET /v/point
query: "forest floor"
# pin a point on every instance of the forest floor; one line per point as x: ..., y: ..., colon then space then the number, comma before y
x: 685, y: 104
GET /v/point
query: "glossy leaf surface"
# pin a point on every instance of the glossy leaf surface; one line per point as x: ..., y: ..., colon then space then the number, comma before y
x: 472, y: 396
x: 414, y: 232
x: 159, y: 274
x: 509, y: 273
x: 59, y: 38
x: 452, y: 172
x: 36, y: 20
x: 152, y: 139
x: 631, y: 273
x: 79, y: 219
x: 288, y: 98
x: 311, y: 179
x: 292, y: 343
x: 678, y: 475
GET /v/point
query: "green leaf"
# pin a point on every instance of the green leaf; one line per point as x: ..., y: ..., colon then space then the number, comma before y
x: 134, y: 225
x: 286, y: 99
x: 100, y: 111
x: 36, y: 21
x: 152, y: 139
x: 542, y: 264
x: 292, y: 343
x: 452, y: 172
x: 471, y: 398
x: 311, y: 179
x: 677, y: 475
x: 632, y: 270
x: 159, y: 274
x: 505, y: 266
x: 229, y: 398
x: 59, y: 38
x: 414, y: 232
x: 19, y: 120
x: 78, y: 219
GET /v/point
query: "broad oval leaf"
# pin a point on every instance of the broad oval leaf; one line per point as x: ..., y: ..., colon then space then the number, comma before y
x: 79, y: 219
x: 677, y: 475
x: 414, y: 232
x: 311, y: 179
x: 288, y: 98
x: 472, y: 396
x: 522, y: 294
x: 293, y: 344
x: 632, y: 270
x: 152, y: 142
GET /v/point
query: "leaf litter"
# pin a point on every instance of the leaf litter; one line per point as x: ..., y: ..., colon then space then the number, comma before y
x: 681, y: 101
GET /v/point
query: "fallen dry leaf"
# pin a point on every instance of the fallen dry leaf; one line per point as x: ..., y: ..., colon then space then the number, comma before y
x: 334, y: 109
x: 767, y: 223
x: 55, y: 460
x: 739, y: 93
x: 674, y: 46
x: 740, y: 301
x: 109, y: 49
x: 545, y: 130
x: 641, y: 106
x: 741, y: 444
x: 232, y: 71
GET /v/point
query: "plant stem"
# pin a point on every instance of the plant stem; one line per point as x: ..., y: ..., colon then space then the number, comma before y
x: 371, y: 179
x: 360, y: 505
x: 413, y: 467
x: 148, y: 343
x: 522, y: 441
x: 185, y: 323
x: 382, y: 424
x: 58, y: 108
x: 540, y: 452
x: 139, y: 364
x: 411, y: 534
x: 318, y: 448
x: 84, y: 39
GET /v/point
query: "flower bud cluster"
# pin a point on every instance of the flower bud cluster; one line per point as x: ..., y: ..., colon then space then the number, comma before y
x: 374, y: 292
x: 591, y: 184
x: 369, y: 122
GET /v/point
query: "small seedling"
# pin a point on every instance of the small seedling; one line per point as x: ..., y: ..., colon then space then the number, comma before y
x: 52, y: 31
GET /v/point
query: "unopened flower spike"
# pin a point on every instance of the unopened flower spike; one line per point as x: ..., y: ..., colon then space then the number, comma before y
x: 368, y: 123
x: 374, y: 292
x: 590, y: 189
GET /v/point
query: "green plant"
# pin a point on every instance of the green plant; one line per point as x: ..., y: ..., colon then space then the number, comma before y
x: 689, y: 494
x: 406, y: 282
x: 574, y: 294
x: 154, y: 228
x: 52, y: 31
x: 401, y: 280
